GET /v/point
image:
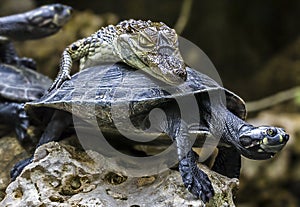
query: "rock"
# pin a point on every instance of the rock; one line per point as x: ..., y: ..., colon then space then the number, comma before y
x: 10, y: 152
x: 62, y: 175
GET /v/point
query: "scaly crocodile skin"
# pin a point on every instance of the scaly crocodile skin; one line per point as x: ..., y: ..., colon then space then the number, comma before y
x: 149, y: 46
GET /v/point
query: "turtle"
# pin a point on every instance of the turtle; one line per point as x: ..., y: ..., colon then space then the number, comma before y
x: 138, y: 43
x: 34, y: 24
x: 107, y: 88
x: 17, y: 86
x: 17, y: 83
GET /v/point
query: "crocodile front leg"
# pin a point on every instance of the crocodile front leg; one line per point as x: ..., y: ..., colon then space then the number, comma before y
x: 64, y: 71
x: 73, y: 52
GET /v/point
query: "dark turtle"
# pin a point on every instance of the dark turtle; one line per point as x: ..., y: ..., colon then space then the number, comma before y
x: 103, y: 88
x: 17, y: 83
x: 17, y: 86
x: 37, y: 23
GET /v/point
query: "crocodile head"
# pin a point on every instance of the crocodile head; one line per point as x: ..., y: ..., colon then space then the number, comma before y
x: 153, y: 48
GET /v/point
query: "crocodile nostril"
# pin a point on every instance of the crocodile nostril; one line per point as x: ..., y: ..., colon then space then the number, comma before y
x: 182, y: 74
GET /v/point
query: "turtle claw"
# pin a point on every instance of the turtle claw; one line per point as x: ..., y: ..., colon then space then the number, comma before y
x: 22, y: 123
x: 194, y: 179
x: 21, y: 132
x: 17, y: 169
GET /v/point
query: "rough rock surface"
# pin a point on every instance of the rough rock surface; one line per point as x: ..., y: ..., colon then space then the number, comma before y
x: 63, y: 176
x: 10, y: 152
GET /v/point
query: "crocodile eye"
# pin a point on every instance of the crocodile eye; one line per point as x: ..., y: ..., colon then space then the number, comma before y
x: 271, y: 132
x: 74, y: 47
x: 145, y: 41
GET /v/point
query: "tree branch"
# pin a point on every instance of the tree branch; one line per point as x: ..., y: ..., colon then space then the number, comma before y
x: 273, y: 99
x: 183, y: 16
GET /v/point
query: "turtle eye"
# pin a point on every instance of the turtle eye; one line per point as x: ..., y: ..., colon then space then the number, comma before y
x: 271, y: 132
x: 52, y: 25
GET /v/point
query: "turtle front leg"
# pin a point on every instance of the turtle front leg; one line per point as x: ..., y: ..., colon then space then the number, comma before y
x: 194, y: 179
x: 13, y: 114
x: 58, y: 123
x: 9, y: 55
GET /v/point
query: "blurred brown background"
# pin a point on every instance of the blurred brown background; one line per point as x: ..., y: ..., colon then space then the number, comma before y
x: 254, y: 45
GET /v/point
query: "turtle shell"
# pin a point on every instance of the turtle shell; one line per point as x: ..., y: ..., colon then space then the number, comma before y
x: 21, y: 84
x: 94, y: 91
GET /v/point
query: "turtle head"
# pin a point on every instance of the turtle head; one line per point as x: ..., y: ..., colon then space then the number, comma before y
x: 262, y: 142
x: 46, y: 20
x: 152, y: 47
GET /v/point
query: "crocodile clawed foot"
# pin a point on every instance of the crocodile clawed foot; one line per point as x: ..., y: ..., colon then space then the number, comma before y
x: 59, y: 81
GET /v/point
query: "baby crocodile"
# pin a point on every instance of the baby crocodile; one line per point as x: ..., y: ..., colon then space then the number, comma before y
x: 149, y: 46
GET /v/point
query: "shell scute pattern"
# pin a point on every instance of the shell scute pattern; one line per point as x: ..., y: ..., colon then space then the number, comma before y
x: 22, y: 84
x: 116, y: 85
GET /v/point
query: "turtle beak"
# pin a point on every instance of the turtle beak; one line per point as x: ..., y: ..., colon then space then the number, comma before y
x: 274, y: 144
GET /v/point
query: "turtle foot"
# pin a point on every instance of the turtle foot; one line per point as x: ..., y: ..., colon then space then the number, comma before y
x: 21, y: 123
x: 13, y: 114
x: 25, y: 62
x: 17, y: 169
x: 194, y: 179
